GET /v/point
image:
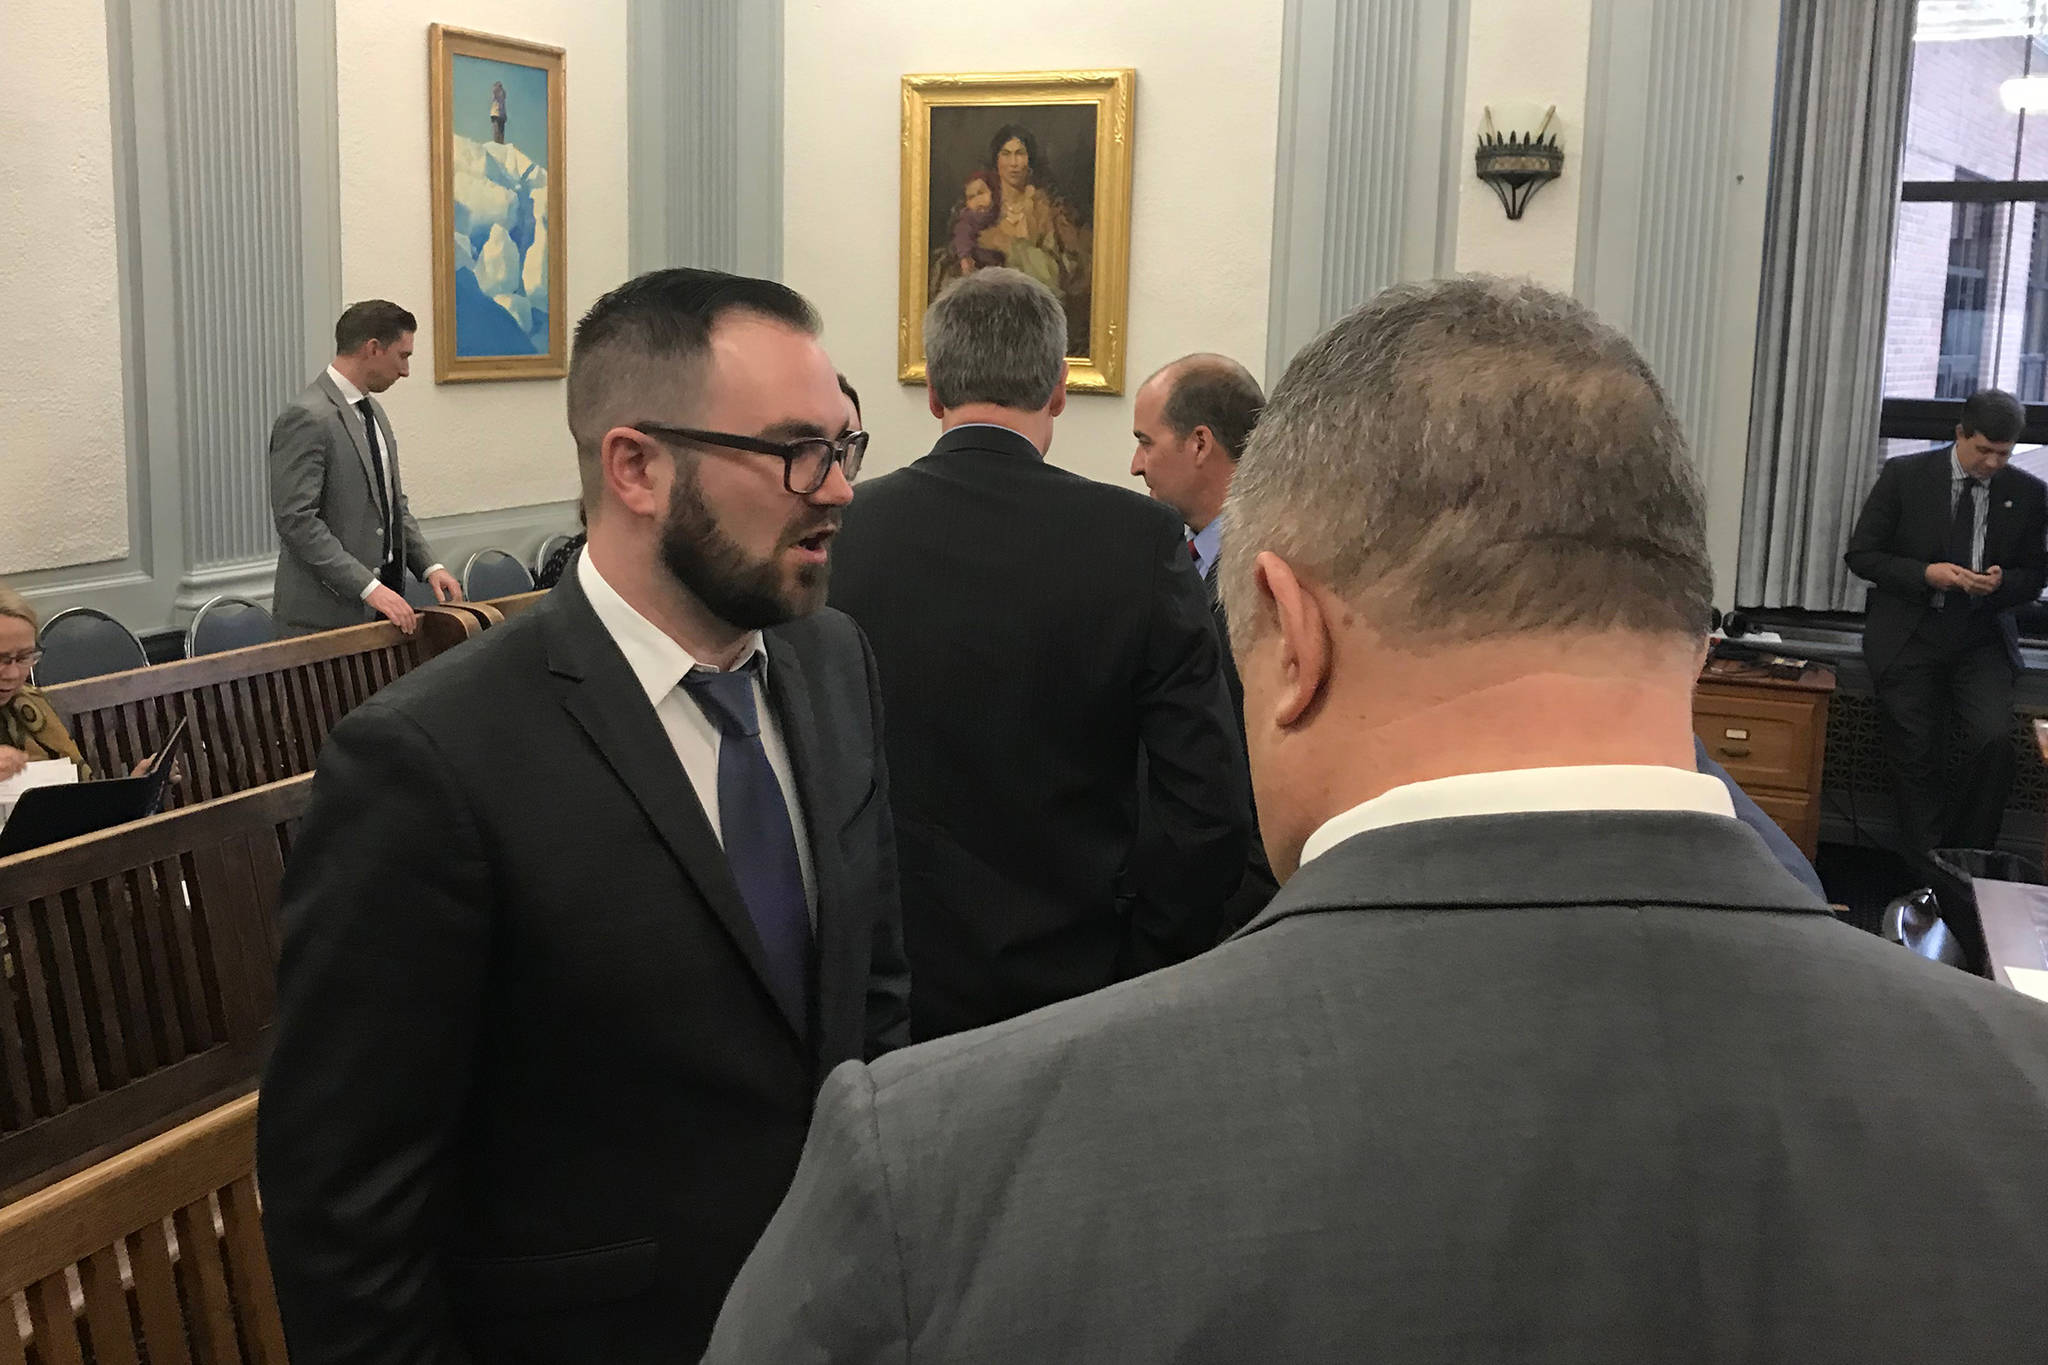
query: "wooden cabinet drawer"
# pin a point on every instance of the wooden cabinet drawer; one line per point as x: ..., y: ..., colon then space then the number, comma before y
x: 1798, y: 816
x: 1761, y: 742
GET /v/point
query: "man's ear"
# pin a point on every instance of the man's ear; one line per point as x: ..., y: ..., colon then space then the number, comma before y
x: 1305, y: 655
x: 931, y: 400
x: 635, y: 471
x: 1059, y: 393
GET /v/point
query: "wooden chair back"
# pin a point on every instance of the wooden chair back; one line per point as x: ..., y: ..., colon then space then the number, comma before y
x: 258, y: 714
x: 509, y: 607
x: 154, y: 1255
x: 137, y: 977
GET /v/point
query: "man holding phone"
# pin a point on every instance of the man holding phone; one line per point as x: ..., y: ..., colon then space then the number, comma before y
x: 1952, y: 541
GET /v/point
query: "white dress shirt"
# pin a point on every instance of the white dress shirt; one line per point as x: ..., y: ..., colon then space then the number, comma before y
x: 1606, y: 787
x: 352, y: 395
x: 658, y: 664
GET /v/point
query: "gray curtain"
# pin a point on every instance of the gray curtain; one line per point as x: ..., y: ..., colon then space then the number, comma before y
x: 1843, y: 67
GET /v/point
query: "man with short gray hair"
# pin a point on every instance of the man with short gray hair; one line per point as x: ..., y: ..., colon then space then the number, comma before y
x: 1538, y: 1055
x: 1035, y: 632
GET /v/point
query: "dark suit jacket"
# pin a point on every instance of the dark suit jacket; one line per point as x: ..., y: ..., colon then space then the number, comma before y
x: 1597, y: 1088
x: 531, y: 1098
x: 1034, y: 629
x: 1258, y: 884
x: 1904, y: 527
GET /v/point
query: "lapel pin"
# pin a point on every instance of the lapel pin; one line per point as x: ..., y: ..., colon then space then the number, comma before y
x: 2008, y: 502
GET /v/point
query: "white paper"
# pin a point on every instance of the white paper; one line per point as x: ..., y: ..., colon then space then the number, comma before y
x: 2029, y: 981
x: 42, y: 772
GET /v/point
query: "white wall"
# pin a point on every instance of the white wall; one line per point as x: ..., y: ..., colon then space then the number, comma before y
x: 1526, y: 54
x: 478, y: 446
x: 1202, y: 212
x: 62, y: 428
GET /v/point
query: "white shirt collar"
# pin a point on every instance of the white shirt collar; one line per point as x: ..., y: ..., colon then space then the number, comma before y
x: 350, y: 393
x: 658, y: 662
x: 1605, y: 787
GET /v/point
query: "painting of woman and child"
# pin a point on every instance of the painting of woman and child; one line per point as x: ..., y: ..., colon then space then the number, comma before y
x: 1031, y: 172
x: 1008, y: 205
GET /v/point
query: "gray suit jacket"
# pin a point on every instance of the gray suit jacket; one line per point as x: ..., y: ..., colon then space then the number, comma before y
x: 1570, y: 1087
x: 330, y: 512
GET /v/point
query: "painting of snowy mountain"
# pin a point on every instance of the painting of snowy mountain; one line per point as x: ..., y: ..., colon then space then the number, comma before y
x: 499, y: 182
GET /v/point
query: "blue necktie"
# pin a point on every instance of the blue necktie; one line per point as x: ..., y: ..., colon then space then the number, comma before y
x: 760, y: 843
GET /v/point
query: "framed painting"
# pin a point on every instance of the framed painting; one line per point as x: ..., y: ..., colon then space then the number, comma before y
x: 499, y: 178
x: 1030, y: 170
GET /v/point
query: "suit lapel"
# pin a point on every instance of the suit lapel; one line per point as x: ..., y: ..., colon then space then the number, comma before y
x: 608, y: 703
x: 789, y: 693
x: 351, y: 422
x: 1998, y: 519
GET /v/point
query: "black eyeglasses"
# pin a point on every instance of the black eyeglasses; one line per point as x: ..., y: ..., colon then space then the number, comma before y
x: 806, y: 462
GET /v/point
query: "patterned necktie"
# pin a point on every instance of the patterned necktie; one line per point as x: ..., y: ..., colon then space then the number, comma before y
x: 754, y: 825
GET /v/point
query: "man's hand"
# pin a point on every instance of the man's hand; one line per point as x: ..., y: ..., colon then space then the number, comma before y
x: 12, y: 761
x: 1954, y: 577
x: 393, y: 608
x: 446, y: 589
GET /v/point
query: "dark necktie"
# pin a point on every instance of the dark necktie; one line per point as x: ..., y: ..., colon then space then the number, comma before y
x: 1962, y: 527
x: 391, y: 573
x: 754, y: 824
x: 1193, y: 553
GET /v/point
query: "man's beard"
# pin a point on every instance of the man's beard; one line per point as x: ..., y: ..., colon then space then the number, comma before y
x: 744, y: 593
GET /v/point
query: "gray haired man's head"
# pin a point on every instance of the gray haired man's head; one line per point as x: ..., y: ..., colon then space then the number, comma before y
x: 1474, y: 458
x: 996, y: 336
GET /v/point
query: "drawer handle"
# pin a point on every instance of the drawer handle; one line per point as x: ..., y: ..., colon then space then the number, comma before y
x: 1734, y: 751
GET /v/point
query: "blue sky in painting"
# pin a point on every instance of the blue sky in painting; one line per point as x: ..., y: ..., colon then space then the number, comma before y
x: 526, y: 103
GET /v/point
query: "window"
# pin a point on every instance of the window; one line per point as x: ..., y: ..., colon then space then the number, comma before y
x: 1972, y: 240
x: 1968, y: 306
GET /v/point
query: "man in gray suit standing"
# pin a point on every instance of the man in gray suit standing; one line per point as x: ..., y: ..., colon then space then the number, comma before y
x: 345, y: 535
x: 1538, y: 1055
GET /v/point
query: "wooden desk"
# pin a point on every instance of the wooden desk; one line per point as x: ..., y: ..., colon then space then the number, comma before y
x: 1771, y: 735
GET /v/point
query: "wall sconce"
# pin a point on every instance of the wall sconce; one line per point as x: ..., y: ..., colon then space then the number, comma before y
x: 1516, y: 164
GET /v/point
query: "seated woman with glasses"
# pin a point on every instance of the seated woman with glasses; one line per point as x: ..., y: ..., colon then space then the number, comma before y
x: 29, y: 728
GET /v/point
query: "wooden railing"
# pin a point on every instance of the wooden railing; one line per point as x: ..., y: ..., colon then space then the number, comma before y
x: 256, y: 715
x: 137, y: 974
x: 155, y: 1255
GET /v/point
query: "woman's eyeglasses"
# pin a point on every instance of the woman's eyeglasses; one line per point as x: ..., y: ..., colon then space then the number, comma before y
x: 28, y: 658
x: 806, y: 462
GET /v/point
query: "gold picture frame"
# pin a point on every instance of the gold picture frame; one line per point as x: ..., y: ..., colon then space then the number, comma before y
x: 978, y: 128
x: 498, y: 178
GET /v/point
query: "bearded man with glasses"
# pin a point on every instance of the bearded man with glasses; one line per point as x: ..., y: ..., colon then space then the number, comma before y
x: 582, y: 915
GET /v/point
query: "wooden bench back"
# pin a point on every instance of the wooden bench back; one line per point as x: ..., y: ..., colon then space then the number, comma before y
x: 154, y: 1255
x: 258, y: 714
x: 137, y: 976
x: 508, y: 607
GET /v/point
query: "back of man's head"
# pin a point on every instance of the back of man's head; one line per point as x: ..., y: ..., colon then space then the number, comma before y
x: 639, y: 352
x: 1213, y: 391
x: 997, y: 337
x: 1471, y: 459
